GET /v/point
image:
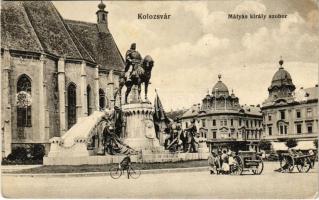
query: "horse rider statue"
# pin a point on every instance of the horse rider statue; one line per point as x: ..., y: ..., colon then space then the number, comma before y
x: 132, y: 58
x: 137, y: 71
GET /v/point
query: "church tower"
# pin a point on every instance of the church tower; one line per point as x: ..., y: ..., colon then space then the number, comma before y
x: 102, y: 22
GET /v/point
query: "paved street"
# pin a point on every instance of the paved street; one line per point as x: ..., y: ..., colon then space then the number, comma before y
x: 169, y: 185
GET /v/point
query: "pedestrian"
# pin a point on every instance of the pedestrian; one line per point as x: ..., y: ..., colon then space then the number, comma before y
x: 213, y: 163
x: 225, y: 165
x: 231, y: 160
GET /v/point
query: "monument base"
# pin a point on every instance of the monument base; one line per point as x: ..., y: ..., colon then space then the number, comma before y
x: 139, y: 130
x: 145, y: 157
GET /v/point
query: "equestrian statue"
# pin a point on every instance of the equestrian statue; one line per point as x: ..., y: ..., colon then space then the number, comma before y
x: 137, y: 72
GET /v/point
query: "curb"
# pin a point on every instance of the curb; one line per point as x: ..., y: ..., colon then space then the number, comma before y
x: 92, y: 174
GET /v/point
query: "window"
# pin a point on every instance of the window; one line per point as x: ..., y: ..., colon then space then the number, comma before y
x: 281, y: 128
x: 309, y: 128
x: 309, y: 112
x: 223, y: 122
x: 298, y: 114
x: 102, y: 99
x: 251, y: 123
x: 88, y: 96
x: 285, y: 128
x: 239, y: 122
x: 269, y: 130
x: 214, y: 134
x: 203, y: 123
x: 214, y: 122
x: 24, y: 101
x: 282, y: 114
x: 269, y: 117
x: 71, y: 105
x: 255, y: 122
x: 299, y: 128
x: 231, y: 122
x: 247, y: 124
x: 186, y: 124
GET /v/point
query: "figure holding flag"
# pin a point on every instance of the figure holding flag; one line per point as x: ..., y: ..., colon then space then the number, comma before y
x: 161, y: 121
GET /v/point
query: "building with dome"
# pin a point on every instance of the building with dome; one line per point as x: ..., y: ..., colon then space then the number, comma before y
x: 54, y: 71
x: 223, y: 122
x: 288, y: 113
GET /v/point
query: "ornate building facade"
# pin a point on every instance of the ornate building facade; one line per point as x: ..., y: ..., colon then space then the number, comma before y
x: 223, y: 122
x: 288, y: 113
x: 54, y: 71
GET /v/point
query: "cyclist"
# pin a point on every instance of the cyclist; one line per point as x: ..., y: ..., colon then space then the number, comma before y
x: 126, y: 162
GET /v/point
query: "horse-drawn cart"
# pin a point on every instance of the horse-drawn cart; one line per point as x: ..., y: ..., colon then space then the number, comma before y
x: 248, y: 161
x: 289, y: 159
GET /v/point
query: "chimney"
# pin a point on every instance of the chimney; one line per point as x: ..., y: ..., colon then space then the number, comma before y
x: 102, y: 18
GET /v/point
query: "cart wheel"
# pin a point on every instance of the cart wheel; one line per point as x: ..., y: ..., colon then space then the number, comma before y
x: 238, y: 166
x: 287, y: 163
x: 259, y: 169
x: 304, y: 165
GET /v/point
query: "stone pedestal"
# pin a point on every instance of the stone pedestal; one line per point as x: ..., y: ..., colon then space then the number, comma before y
x: 140, y: 131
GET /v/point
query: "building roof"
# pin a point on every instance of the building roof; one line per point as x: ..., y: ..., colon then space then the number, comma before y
x: 195, y: 111
x: 312, y: 92
x: 176, y: 114
x: 192, y: 112
x: 281, y: 77
x: 252, y: 110
x: 37, y: 26
x: 101, y: 46
x: 306, y: 94
x: 220, y: 88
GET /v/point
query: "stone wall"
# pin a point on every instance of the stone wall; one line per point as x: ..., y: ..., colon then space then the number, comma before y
x: 52, y: 99
x: 29, y: 67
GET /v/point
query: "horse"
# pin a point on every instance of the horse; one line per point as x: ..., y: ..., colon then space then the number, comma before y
x: 142, y: 72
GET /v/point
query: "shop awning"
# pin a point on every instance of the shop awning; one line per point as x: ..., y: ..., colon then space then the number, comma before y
x: 305, y: 145
x: 301, y: 145
x: 277, y: 146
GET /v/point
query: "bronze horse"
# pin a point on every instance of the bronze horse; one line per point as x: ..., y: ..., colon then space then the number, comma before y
x: 141, y: 74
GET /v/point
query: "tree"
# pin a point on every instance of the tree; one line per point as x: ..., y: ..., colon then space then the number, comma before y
x: 264, y: 145
x: 291, y: 143
x: 315, y: 142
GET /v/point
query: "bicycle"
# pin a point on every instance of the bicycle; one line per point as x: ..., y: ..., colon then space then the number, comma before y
x: 116, y: 172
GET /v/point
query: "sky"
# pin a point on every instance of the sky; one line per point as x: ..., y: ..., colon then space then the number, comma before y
x: 199, y: 42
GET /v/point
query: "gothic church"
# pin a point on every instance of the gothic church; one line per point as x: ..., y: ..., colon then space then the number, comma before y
x: 54, y: 71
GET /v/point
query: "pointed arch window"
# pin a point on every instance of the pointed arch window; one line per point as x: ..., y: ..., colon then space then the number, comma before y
x: 24, y: 101
x: 102, y: 99
x: 88, y: 95
x: 71, y: 105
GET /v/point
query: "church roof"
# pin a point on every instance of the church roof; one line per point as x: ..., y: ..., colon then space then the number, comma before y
x: 37, y: 26
x: 101, y: 46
